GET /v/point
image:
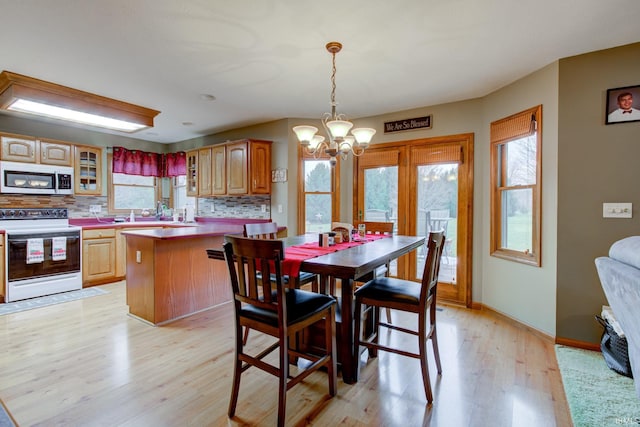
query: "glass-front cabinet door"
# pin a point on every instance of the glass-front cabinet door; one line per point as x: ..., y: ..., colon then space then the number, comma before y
x: 88, y: 171
x: 192, y: 173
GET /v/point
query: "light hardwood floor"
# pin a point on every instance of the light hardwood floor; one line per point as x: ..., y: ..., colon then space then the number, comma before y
x: 87, y: 363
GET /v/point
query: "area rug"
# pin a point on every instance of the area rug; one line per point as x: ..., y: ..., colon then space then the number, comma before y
x: 6, y: 420
x: 28, y: 304
x: 597, y: 395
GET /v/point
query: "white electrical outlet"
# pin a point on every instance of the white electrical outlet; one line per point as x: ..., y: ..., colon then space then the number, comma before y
x: 279, y: 208
x: 95, y: 209
x: 263, y: 208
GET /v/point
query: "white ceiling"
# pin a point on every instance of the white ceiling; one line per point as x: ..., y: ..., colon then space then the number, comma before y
x: 265, y: 60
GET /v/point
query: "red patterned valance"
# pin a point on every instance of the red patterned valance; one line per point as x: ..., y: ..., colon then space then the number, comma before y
x: 174, y: 164
x: 136, y: 162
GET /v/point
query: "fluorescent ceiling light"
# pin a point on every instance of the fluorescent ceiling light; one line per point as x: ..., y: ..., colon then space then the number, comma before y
x: 31, y: 107
x: 28, y: 95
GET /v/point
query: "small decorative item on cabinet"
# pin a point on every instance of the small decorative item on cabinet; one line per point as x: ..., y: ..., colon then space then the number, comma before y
x: 279, y: 175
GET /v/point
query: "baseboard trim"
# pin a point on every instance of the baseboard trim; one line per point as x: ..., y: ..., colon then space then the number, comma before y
x: 577, y: 343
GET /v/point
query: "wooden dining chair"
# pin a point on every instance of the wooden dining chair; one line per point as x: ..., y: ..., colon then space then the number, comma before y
x: 269, y: 230
x: 405, y: 295
x: 374, y: 227
x: 261, y: 230
x: 281, y: 312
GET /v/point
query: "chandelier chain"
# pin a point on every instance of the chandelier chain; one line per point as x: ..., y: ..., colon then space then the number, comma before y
x: 333, y: 85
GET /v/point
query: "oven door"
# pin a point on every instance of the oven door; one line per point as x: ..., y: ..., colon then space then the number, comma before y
x: 18, y: 268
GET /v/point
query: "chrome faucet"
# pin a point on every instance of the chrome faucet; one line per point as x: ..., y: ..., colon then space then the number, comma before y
x: 159, y: 210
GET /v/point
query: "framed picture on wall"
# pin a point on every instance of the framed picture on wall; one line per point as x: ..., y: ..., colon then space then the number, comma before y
x: 623, y: 105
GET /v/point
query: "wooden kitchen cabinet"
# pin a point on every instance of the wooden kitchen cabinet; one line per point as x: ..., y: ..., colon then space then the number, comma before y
x: 204, y: 171
x: 121, y: 254
x: 18, y: 148
x: 234, y: 168
x: 249, y: 167
x: 98, y: 256
x: 260, y: 167
x: 219, y: 170
x: 88, y: 171
x: 192, y: 173
x: 237, y: 168
x: 27, y: 149
x: 55, y: 153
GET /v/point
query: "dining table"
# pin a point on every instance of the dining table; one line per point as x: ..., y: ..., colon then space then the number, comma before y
x: 349, y: 263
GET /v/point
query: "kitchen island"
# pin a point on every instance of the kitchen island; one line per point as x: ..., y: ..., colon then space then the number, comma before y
x: 169, y: 275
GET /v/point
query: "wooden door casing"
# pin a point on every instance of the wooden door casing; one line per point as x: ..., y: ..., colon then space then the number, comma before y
x: 409, y: 157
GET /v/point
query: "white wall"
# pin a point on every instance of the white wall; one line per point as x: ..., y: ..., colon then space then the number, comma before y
x: 523, y: 292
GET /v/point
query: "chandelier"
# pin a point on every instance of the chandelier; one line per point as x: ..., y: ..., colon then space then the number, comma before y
x: 335, y: 125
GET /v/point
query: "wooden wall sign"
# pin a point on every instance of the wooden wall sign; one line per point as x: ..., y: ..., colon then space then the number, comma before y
x: 408, y: 124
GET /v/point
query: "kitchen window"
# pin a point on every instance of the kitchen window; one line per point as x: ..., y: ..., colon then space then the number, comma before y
x: 131, y: 192
x: 516, y: 144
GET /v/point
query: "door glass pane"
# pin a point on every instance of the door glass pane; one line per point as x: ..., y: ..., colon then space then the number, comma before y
x: 517, y: 230
x: 318, y: 213
x: 437, y: 208
x: 381, y: 199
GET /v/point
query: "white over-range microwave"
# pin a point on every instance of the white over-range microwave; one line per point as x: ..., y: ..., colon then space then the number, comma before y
x: 31, y: 178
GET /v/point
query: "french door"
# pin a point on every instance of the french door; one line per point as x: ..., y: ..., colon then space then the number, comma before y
x: 423, y: 185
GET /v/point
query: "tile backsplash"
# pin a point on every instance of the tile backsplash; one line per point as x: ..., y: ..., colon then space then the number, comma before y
x: 235, y: 207
x: 218, y: 207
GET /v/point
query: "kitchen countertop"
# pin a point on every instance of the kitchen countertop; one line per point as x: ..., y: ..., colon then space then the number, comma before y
x: 216, y: 223
x: 201, y: 230
x: 171, y: 230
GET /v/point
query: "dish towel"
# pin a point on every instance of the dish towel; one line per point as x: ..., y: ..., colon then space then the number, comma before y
x: 59, y: 248
x: 35, y: 251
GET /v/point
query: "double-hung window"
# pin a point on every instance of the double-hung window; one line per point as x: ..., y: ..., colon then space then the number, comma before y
x: 318, y: 194
x: 516, y: 144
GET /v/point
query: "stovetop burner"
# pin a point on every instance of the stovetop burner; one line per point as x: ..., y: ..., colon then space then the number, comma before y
x: 29, y: 219
x: 33, y: 213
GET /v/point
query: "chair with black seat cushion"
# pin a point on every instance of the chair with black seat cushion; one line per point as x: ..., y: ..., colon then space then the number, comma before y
x: 409, y: 296
x: 281, y: 312
x: 269, y: 230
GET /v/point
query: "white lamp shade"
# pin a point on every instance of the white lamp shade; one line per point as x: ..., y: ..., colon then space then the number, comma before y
x: 346, y: 145
x: 363, y: 135
x: 339, y: 128
x: 305, y: 133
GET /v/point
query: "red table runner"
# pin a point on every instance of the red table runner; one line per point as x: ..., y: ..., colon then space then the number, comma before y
x: 295, y: 255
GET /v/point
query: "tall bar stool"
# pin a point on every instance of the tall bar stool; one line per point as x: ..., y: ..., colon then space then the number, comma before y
x: 281, y: 312
x: 405, y: 295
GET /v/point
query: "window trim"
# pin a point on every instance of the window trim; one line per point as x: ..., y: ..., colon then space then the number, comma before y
x: 335, y: 188
x: 504, y: 131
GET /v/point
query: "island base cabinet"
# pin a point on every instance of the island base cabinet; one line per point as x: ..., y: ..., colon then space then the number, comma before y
x: 168, y: 279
